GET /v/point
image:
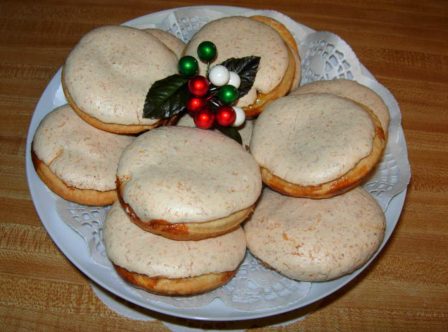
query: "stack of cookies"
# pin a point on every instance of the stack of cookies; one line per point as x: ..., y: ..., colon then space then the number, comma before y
x: 314, y: 148
x: 180, y: 195
x: 183, y: 193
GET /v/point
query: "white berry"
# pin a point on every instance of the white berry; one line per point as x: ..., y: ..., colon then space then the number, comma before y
x: 219, y: 75
x: 234, y: 79
x: 240, y: 116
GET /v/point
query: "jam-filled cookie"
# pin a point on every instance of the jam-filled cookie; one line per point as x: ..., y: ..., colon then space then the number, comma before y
x: 107, y: 75
x: 170, y: 267
x: 316, y: 145
x: 237, y: 37
x: 187, y: 183
x: 75, y: 160
x: 315, y: 240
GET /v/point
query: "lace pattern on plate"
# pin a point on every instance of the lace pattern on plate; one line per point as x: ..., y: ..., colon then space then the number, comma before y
x: 324, y: 56
x: 253, y: 288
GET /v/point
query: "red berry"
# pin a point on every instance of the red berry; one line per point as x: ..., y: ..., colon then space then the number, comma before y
x: 198, y: 86
x: 204, y: 119
x: 195, y: 104
x: 225, y: 116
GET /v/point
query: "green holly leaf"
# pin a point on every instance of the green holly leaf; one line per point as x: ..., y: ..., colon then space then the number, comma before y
x: 231, y: 132
x: 166, y: 98
x: 246, y: 68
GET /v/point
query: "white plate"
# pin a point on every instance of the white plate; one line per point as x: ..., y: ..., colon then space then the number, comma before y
x: 74, y: 247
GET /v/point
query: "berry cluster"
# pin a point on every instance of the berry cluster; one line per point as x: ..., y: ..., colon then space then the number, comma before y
x: 211, y: 97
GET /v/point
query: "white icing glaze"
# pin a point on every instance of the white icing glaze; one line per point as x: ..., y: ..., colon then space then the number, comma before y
x: 182, y: 174
x: 172, y: 42
x: 80, y: 155
x: 315, y: 240
x: 110, y: 70
x: 128, y: 246
x: 312, y: 139
x: 237, y: 37
x: 351, y: 90
x: 245, y: 131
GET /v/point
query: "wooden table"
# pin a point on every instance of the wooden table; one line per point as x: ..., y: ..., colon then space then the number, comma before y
x: 403, y: 43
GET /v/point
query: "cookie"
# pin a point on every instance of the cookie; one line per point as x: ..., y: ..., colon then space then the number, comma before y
x: 169, y: 40
x: 316, y: 145
x: 75, y: 160
x: 187, y: 183
x: 169, y: 267
x: 237, y: 37
x: 315, y: 240
x: 351, y: 90
x: 108, y: 73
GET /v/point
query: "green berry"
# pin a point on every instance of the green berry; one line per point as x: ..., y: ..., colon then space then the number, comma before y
x: 228, y: 94
x: 188, y: 66
x: 207, y: 51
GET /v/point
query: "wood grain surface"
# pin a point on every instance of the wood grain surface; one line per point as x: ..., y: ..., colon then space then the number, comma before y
x: 403, y: 43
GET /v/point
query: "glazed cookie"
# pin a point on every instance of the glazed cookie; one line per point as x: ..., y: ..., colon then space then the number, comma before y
x: 290, y: 42
x: 236, y: 37
x: 316, y: 145
x: 169, y: 267
x: 169, y: 40
x: 187, y: 183
x: 351, y: 90
x: 77, y: 161
x: 107, y: 75
x: 315, y: 240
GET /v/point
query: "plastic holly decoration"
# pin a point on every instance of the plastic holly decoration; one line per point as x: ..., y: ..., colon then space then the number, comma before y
x: 209, y: 98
